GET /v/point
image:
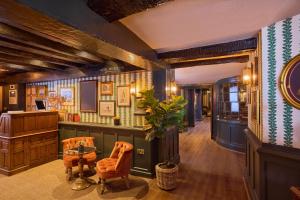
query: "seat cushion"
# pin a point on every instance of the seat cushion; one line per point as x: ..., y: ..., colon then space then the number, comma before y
x: 106, y: 168
x: 72, y: 160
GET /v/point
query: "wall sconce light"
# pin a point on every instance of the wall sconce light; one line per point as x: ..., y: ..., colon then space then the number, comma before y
x: 246, y: 75
x: 174, y: 89
x: 132, y: 88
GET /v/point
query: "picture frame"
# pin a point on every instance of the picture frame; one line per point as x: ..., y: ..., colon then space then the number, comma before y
x: 123, y: 96
x: 68, y: 95
x: 107, y: 88
x: 107, y: 108
x: 42, y: 91
x: 12, y: 87
x: 13, y: 97
x: 88, y: 96
x: 289, y: 82
x: 52, y: 94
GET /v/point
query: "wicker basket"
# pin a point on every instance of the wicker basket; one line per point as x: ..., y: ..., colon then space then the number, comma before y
x: 166, y: 178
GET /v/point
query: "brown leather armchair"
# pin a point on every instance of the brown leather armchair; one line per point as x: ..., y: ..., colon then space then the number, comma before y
x: 72, y: 160
x: 117, y: 165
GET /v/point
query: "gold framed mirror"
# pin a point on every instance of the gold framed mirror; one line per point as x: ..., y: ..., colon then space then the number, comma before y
x: 290, y: 82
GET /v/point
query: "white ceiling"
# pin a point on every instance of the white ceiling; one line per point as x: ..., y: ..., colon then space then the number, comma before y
x: 184, y: 24
x: 207, y: 74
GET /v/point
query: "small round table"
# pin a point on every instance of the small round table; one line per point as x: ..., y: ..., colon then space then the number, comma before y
x: 81, y: 182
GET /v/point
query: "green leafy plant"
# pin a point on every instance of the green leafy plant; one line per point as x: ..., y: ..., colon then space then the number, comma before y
x: 162, y: 115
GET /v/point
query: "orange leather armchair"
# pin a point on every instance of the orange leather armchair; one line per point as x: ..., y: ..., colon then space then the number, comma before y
x: 72, y: 160
x: 117, y: 165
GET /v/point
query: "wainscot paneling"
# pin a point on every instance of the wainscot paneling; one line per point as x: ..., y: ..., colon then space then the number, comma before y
x: 145, y: 153
x: 270, y: 169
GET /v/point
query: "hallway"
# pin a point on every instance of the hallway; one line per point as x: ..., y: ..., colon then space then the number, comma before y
x: 207, y: 170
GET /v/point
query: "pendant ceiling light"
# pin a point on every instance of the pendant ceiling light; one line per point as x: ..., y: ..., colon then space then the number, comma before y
x: 111, y: 67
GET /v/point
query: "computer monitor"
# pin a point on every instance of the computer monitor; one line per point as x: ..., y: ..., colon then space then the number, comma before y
x: 40, y: 105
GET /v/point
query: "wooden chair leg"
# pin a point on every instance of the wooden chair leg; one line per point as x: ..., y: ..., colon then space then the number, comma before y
x: 126, y: 179
x: 102, y: 186
x: 69, y: 174
x: 92, y: 167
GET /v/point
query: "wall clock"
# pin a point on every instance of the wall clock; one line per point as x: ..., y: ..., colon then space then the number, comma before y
x: 290, y: 82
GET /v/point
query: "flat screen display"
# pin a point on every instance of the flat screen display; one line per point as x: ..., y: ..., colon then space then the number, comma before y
x: 40, y: 105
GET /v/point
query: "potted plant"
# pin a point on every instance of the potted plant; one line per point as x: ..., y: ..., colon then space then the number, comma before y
x: 163, y: 115
x: 116, y: 120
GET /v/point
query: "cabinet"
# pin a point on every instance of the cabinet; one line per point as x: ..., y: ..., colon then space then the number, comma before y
x: 27, y: 139
x: 230, y: 113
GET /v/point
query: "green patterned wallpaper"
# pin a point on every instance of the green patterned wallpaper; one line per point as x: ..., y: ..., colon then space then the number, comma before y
x: 280, y: 43
x: 143, y: 80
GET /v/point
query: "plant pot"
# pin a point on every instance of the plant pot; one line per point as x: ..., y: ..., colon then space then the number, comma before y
x: 117, y: 122
x: 166, y: 178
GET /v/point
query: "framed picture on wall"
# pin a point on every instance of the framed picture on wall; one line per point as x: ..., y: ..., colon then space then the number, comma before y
x: 107, y: 108
x: 67, y: 94
x: 13, y: 97
x: 107, y: 88
x: 123, y: 95
x: 88, y: 96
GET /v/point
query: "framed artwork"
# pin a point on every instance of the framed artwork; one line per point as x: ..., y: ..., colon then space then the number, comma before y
x: 88, y: 96
x: 290, y: 82
x: 107, y: 108
x: 52, y: 94
x: 68, y: 96
x: 107, y: 88
x: 123, y: 96
x: 33, y: 90
x: 13, y: 97
x: 254, y: 104
x: 12, y: 87
x: 254, y: 72
x: 41, y: 91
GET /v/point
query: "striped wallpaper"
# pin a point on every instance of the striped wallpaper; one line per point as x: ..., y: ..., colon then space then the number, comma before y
x: 143, y: 80
x: 280, y: 43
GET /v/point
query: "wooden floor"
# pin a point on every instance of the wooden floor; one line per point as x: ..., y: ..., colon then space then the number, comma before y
x: 207, y: 170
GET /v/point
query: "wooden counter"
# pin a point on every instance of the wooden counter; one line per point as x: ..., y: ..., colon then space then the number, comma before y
x: 145, y: 155
x: 27, y: 139
x: 230, y: 133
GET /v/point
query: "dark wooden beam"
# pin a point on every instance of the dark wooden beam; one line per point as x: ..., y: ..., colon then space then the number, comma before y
x: 21, y: 55
x: 211, y: 61
x: 38, y: 64
x: 39, y: 51
x: 113, y: 10
x: 14, y: 67
x: 28, y: 38
x: 215, y: 50
x: 22, y: 17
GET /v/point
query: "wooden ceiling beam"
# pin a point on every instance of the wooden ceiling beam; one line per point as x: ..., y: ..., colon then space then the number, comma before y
x: 21, y: 55
x: 25, y: 18
x: 39, y: 51
x: 211, y: 61
x: 28, y: 38
x: 223, y: 49
x: 118, y: 9
x: 38, y: 64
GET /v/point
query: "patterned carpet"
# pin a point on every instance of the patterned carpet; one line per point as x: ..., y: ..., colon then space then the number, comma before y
x: 48, y: 181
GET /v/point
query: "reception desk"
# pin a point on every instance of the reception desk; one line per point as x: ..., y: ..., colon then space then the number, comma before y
x: 27, y: 139
x: 145, y: 154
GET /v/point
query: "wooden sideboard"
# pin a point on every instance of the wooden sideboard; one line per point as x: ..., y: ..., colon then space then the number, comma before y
x: 27, y: 139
